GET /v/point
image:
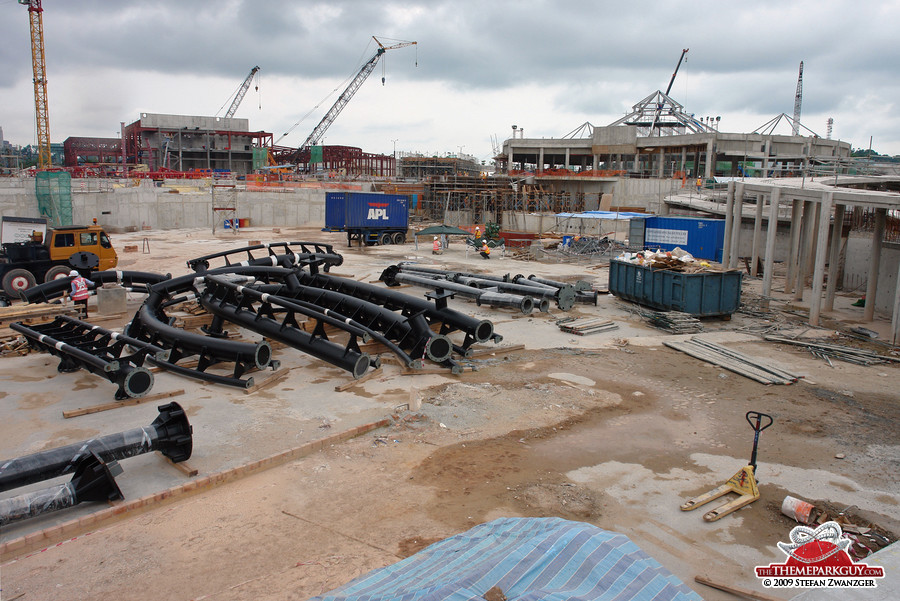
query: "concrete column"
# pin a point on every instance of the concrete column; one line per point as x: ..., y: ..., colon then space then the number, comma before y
x: 815, y: 301
x: 765, y: 172
x: 567, y: 158
x: 834, y: 257
x: 509, y: 163
x: 662, y: 163
x: 757, y: 236
x: 595, y: 162
x: 710, y: 159
x: 683, y: 157
x: 736, y: 225
x: 872, y: 284
x: 806, y: 234
x: 794, y: 252
x: 895, y: 318
x: 729, y: 207
x: 540, y: 165
x: 772, y: 230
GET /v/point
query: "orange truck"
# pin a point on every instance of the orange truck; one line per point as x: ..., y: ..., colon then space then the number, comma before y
x: 33, y: 253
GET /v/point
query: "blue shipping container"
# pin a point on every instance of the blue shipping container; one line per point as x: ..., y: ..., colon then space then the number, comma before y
x: 366, y: 210
x: 703, y: 238
x: 700, y: 294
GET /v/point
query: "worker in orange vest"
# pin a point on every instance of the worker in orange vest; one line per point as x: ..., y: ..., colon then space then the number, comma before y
x: 79, y: 290
x: 485, y: 250
x: 436, y: 247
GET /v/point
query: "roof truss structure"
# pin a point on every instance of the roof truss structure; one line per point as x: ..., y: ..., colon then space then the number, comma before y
x: 659, y: 115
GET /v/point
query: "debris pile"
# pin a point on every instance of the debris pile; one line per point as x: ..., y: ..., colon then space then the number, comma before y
x: 841, y: 352
x: 671, y: 260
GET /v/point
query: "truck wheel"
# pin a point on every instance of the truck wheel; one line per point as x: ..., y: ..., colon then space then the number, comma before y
x: 57, y: 272
x: 399, y: 238
x: 17, y: 280
x: 384, y: 239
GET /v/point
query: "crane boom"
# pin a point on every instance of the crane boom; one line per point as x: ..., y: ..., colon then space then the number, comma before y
x: 798, y: 100
x: 671, y: 81
x: 335, y: 110
x: 42, y: 116
x: 240, y: 94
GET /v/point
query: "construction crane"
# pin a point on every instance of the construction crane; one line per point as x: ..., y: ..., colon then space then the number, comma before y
x: 239, y: 96
x: 313, y: 138
x: 42, y: 116
x: 671, y: 81
x: 798, y: 100
x: 659, y: 106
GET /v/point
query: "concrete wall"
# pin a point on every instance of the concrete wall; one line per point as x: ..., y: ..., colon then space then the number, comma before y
x: 648, y: 194
x: 172, y: 207
x: 856, y: 270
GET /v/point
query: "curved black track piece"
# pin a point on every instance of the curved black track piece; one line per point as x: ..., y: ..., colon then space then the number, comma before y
x: 299, y: 249
x: 131, y: 280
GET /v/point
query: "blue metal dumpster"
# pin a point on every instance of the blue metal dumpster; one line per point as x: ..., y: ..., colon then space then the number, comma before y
x: 700, y: 294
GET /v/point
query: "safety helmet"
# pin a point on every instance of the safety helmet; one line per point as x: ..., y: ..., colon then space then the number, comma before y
x: 73, y: 273
x: 435, y: 237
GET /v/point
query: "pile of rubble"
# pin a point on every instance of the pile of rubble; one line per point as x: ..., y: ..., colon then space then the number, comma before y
x: 676, y: 259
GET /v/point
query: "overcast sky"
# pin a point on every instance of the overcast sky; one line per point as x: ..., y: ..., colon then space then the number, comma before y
x: 482, y: 66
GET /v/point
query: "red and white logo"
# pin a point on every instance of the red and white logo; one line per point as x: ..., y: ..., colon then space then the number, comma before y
x: 818, y: 559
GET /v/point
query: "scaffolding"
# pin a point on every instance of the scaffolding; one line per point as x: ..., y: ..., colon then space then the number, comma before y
x: 224, y: 207
x: 54, y: 195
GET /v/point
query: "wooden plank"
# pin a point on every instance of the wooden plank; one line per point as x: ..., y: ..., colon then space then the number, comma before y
x: 182, y: 466
x: 736, y: 590
x: 125, y: 403
x: 500, y: 349
x: 375, y: 373
x: 270, y: 381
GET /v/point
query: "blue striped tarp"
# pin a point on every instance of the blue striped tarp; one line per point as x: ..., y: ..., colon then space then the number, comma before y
x: 529, y: 559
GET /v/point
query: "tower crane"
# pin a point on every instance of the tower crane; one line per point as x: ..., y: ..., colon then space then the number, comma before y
x: 239, y: 96
x: 42, y: 116
x: 313, y: 138
x: 798, y: 100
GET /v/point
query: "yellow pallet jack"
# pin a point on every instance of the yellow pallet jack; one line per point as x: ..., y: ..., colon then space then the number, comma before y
x: 742, y: 483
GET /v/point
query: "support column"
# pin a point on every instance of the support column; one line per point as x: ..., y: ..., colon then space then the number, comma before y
x: 595, y: 162
x: 662, y: 163
x: 710, y: 160
x: 683, y: 157
x: 834, y: 257
x: 509, y: 162
x: 757, y: 236
x: 566, y: 166
x: 736, y: 225
x: 729, y: 207
x: 807, y: 222
x: 875, y: 263
x: 794, y: 252
x: 540, y: 165
x: 815, y: 301
x: 769, y: 268
x: 895, y: 319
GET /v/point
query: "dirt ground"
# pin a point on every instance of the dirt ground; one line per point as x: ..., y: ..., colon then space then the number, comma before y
x: 613, y: 429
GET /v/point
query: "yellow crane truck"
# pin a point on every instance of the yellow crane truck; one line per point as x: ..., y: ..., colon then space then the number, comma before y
x: 33, y: 253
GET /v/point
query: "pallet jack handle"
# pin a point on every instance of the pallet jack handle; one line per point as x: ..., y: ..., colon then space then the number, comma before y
x: 757, y: 428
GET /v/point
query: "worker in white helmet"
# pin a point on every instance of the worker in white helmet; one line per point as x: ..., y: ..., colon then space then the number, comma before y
x: 436, y: 247
x: 79, y: 290
x: 485, y: 250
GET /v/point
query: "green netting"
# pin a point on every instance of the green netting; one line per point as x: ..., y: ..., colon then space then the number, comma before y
x: 260, y: 158
x: 54, y: 196
x: 315, y: 154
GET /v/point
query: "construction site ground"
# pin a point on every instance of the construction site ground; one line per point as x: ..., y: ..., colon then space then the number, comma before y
x: 614, y: 429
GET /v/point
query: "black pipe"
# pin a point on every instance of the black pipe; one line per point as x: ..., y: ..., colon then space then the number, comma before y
x: 93, y: 481
x: 327, y: 316
x: 132, y: 380
x: 322, y: 250
x: 170, y: 434
x: 44, y: 293
x: 349, y: 359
